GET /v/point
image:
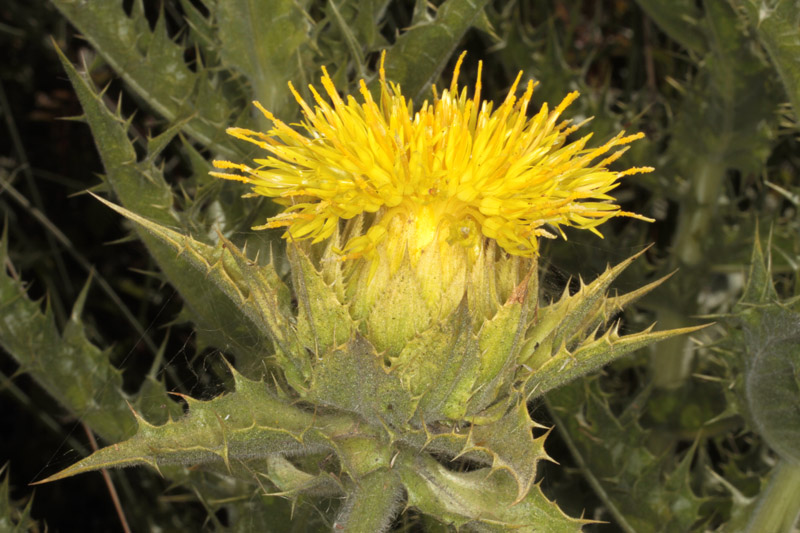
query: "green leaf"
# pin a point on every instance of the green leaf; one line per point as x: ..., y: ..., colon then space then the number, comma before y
x: 66, y: 364
x: 291, y: 480
x: 510, y: 443
x: 680, y: 19
x: 645, y: 492
x: 250, y: 423
x: 350, y: 39
x: 563, y: 340
x: 152, y: 65
x: 478, y: 500
x: 353, y: 378
x: 141, y: 189
x: 759, y: 288
x: 499, y: 342
x: 13, y: 519
x: 390, y: 308
x: 772, y: 376
x: 593, y: 353
x: 729, y: 117
x: 579, y: 313
x: 371, y: 503
x: 574, y: 317
x: 255, y: 290
x: 261, y: 39
x: 775, y: 24
x: 419, y: 55
x: 770, y: 337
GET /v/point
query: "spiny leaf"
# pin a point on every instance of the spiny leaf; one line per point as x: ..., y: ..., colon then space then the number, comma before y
x: 353, y: 378
x: 644, y: 492
x: 499, y: 343
x: 510, y: 444
x: 141, y: 189
x: 759, y: 288
x: 290, y: 480
x: 152, y: 65
x: 243, y: 425
x: 478, y: 500
x: 592, y: 354
x: 580, y: 308
x: 440, y: 365
x: 391, y: 309
x: 569, y: 317
x: 67, y: 365
x: 255, y: 289
x: 496, y: 278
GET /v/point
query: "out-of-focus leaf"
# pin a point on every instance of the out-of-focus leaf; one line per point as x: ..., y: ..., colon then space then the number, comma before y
x: 728, y: 121
x: 68, y: 366
x: 771, y: 334
x: 772, y: 376
x: 777, y: 24
x: 729, y: 118
x: 420, y: 54
x: 644, y: 492
x: 261, y: 39
x: 12, y: 518
x: 680, y: 19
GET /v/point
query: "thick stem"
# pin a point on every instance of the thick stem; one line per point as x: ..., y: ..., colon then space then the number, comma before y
x: 672, y: 359
x: 371, y: 504
x: 779, y: 504
x: 671, y: 362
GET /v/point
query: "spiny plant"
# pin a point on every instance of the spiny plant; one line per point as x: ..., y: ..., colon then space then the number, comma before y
x: 410, y: 336
x: 382, y: 360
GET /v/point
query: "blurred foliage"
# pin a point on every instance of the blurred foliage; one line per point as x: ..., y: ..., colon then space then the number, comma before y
x: 689, y: 437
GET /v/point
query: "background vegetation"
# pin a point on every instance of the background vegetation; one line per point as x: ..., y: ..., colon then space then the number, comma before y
x: 691, y: 436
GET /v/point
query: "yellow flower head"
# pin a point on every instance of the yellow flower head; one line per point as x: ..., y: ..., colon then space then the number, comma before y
x: 456, y: 170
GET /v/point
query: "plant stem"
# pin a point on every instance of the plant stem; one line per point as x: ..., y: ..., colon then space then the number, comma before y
x: 671, y: 363
x: 698, y: 212
x: 371, y: 504
x: 779, y: 505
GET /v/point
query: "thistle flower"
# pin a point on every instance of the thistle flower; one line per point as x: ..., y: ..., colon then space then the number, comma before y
x: 455, y: 172
x: 417, y: 338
